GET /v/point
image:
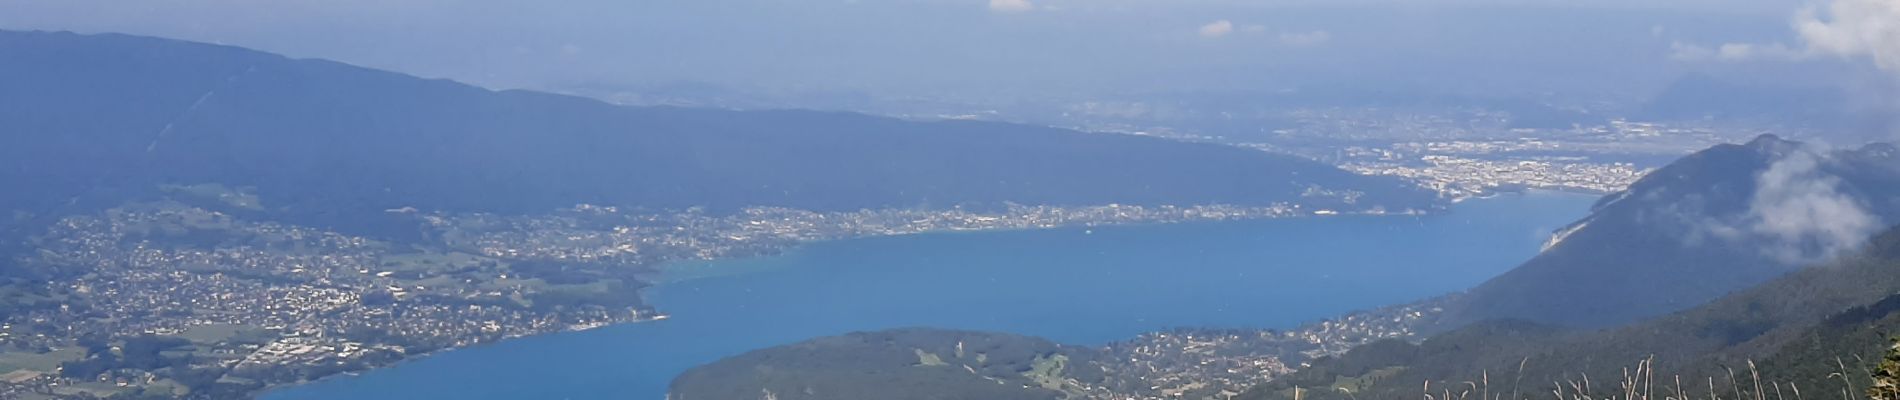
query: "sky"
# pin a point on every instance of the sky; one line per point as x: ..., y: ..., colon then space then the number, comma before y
x: 1012, y: 49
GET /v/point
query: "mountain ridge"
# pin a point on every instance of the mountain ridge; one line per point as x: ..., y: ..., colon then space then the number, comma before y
x: 1718, y: 220
x: 143, y: 110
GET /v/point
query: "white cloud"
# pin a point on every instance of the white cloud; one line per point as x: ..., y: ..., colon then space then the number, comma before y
x: 1843, y: 28
x: 1306, y: 39
x: 1011, y: 6
x: 1751, y: 51
x: 1690, y: 52
x: 1736, y: 52
x: 1217, y: 29
x: 1854, y: 28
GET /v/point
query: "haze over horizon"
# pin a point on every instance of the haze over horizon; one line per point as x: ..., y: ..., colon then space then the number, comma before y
x: 1003, y: 52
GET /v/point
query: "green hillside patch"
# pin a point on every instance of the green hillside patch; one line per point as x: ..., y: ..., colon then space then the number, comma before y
x: 910, y: 364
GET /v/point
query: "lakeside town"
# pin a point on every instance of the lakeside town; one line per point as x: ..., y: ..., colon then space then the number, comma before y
x: 1210, y: 363
x: 1598, y: 160
x: 171, y: 299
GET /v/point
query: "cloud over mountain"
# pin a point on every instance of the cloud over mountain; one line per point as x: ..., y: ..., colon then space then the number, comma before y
x: 1799, y: 214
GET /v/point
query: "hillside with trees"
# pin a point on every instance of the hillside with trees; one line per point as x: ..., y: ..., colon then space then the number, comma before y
x: 1809, y: 328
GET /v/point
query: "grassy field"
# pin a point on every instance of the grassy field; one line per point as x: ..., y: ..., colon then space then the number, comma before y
x: 239, y: 198
x: 431, y: 263
x: 43, y: 362
x: 214, y: 333
x: 96, y: 389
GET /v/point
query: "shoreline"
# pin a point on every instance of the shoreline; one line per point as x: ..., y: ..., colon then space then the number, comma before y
x: 411, y: 358
x: 753, y: 264
x: 664, y: 269
x: 669, y: 268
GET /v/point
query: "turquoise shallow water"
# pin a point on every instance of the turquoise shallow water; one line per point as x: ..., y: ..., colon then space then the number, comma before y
x: 1072, y: 285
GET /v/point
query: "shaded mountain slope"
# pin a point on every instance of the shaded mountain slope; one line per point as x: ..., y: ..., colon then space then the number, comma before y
x: 1793, y: 328
x: 1717, y: 221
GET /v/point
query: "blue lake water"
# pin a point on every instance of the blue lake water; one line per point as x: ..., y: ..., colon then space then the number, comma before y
x: 1071, y: 285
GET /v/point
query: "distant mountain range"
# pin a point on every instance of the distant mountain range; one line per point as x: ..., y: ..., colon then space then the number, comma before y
x: 95, y: 118
x: 1839, y: 111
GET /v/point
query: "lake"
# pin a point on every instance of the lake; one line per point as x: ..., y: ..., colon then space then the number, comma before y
x: 1072, y: 285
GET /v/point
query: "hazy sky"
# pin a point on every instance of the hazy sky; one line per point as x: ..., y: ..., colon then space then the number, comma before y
x: 978, y: 47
